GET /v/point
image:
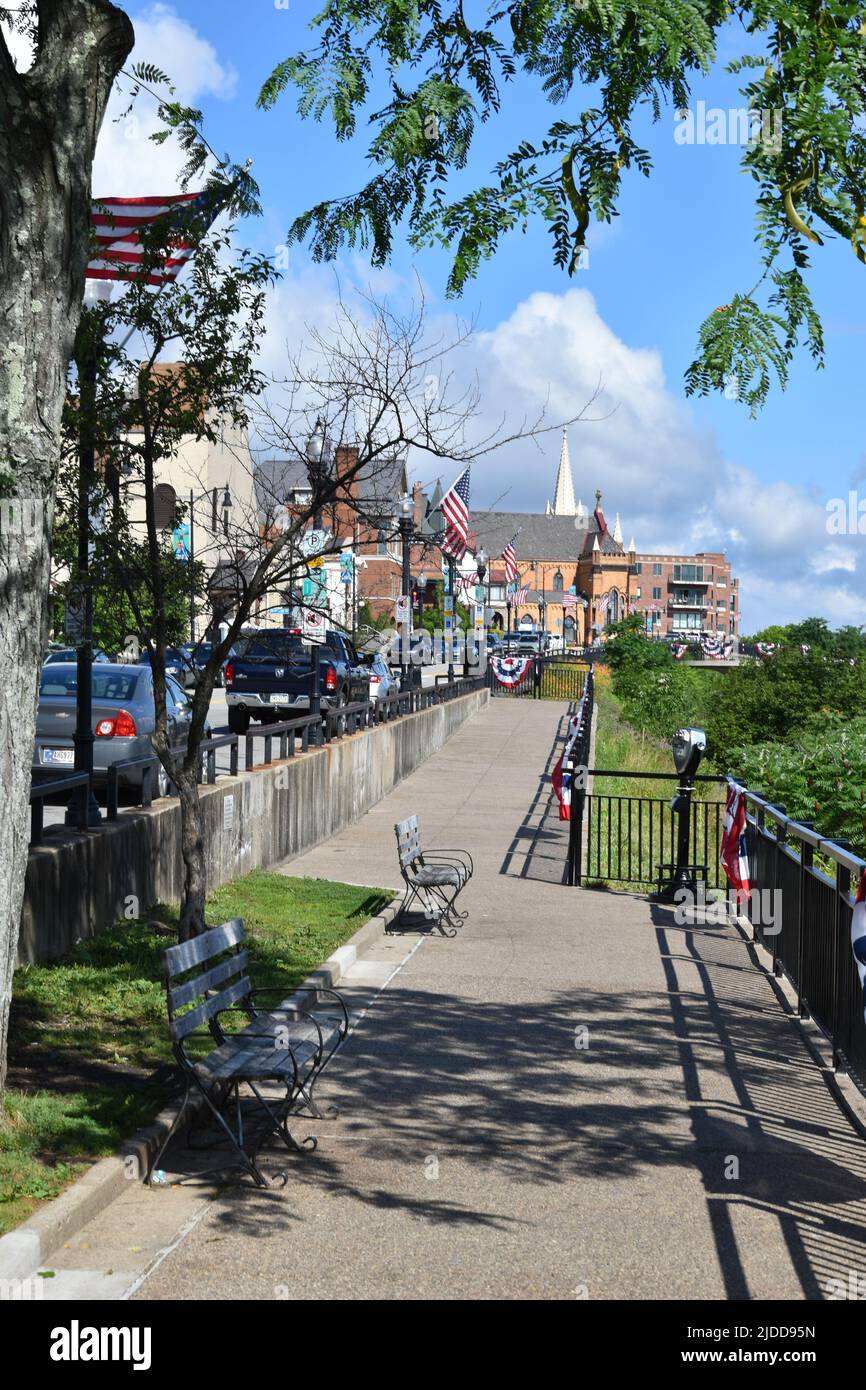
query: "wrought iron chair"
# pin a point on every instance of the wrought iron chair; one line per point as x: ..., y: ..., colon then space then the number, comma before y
x: 436, y: 884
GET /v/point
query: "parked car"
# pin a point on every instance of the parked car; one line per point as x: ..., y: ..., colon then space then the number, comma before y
x: 62, y: 654
x: 382, y: 680
x: 196, y: 658
x: 123, y: 720
x: 269, y: 678
x: 176, y: 664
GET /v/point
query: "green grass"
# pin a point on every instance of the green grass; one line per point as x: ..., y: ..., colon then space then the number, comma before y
x: 87, y: 1032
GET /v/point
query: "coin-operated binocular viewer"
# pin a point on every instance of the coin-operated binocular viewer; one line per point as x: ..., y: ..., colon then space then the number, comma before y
x: 688, y: 747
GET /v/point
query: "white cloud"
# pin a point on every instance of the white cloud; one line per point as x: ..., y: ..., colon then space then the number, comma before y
x: 127, y: 161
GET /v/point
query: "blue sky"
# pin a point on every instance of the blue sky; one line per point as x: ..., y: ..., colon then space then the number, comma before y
x: 682, y: 474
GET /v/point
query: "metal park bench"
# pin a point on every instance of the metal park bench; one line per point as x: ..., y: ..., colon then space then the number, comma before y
x: 286, y: 1047
x: 437, y: 884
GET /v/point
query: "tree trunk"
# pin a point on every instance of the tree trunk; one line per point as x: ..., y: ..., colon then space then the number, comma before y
x: 192, y: 849
x: 49, y: 121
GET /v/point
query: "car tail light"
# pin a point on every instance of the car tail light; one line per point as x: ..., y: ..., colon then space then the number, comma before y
x: 330, y: 678
x: 121, y: 726
x: 375, y: 681
x: 230, y: 673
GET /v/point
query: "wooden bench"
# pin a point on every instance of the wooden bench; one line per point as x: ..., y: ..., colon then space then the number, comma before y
x: 285, y: 1045
x: 435, y: 877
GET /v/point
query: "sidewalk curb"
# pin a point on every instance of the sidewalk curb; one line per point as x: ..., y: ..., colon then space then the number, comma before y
x: 27, y: 1248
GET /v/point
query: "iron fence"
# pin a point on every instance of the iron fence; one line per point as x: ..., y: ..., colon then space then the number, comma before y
x: 616, y: 838
x: 808, y: 927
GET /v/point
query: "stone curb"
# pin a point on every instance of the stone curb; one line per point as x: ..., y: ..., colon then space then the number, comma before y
x: 27, y: 1248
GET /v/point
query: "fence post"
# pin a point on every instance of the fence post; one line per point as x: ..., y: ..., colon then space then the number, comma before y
x: 843, y: 888
x: 780, y: 840
x: 807, y: 856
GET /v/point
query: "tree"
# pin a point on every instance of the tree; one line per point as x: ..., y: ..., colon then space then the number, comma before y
x: 49, y: 120
x: 360, y: 382
x: 445, y: 74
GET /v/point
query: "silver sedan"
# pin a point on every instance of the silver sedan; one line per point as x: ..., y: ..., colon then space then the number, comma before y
x: 123, y: 721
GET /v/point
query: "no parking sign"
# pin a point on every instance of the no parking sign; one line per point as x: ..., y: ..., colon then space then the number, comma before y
x: 314, y: 626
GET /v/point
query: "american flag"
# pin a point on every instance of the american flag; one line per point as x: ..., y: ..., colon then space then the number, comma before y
x: 569, y: 601
x: 734, y: 855
x: 510, y: 558
x: 455, y: 509
x: 520, y: 595
x: 117, y: 224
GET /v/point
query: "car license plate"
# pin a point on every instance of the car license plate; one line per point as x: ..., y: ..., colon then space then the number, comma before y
x: 64, y: 756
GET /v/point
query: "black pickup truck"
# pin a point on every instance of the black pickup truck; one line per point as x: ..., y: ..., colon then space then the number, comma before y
x: 268, y: 677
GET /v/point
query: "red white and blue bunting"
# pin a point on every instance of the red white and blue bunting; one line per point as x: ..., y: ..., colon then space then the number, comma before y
x: 510, y: 670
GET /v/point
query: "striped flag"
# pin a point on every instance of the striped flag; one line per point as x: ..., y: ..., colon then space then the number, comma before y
x: 455, y: 509
x: 520, y: 595
x: 510, y: 558
x: 858, y: 936
x: 118, y: 223
x: 734, y: 856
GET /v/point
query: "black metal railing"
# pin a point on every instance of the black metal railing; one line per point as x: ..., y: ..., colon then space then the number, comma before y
x: 39, y: 791
x: 281, y: 741
x: 801, y: 912
x: 632, y: 839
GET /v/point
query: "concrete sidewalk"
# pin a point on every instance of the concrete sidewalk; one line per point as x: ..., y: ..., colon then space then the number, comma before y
x: 575, y: 1097
x: 690, y: 1149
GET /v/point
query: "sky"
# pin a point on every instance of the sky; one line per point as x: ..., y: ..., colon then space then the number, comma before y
x: 683, y: 474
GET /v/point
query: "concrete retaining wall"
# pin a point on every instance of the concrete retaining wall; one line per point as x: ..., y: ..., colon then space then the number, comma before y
x: 79, y: 884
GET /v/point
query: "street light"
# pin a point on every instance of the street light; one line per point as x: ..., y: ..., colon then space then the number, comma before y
x: 96, y: 293
x: 318, y: 460
x: 405, y: 524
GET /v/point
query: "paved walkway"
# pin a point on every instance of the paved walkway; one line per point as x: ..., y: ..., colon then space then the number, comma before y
x: 692, y: 1148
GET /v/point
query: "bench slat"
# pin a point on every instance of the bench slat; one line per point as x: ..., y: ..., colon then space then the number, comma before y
x: 194, y: 989
x: 201, y: 948
x: 188, y: 1023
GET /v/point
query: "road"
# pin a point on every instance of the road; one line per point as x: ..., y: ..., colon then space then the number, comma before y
x: 219, y: 723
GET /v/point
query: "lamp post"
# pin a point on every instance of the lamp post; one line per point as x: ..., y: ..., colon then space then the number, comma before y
x: 226, y: 510
x: 405, y: 524
x: 318, y: 457
x: 97, y: 292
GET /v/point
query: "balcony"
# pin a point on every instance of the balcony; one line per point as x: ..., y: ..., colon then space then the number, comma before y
x: 694, y: 602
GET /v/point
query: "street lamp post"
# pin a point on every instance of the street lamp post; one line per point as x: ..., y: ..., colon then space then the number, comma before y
x: 96, y: 292
x: 317, y: 467
x: 481, y: 570
x: 405, y: 524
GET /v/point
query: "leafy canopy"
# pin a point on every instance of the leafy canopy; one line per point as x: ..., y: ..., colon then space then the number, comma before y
x: 602, y: 62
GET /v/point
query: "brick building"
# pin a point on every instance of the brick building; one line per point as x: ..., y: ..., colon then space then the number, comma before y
x: 363, y: 519
x: 580, y: 577
x: 685, y: 595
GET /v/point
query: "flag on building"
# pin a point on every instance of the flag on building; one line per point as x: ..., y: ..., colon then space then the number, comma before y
x: 734, y: 855
x: 520, y: 595
x: 510, y: 559
x: 455, y: 509
x: 118, y: 224
x: 858, y: 937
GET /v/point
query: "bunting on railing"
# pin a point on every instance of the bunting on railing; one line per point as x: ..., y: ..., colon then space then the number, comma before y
x: 858, y: 937
x: 734, y: 855
x: 510, y: 671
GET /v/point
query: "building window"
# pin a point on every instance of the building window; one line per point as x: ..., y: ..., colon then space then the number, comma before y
x: 733, y: 602
x: 638, y: 569
x: 497, y: 593
x: 721, y: 605
x: 557, y: 582
x: 657, y: 569
x: 381, y: 543
x: 689, y: 573
x: 657, y: 593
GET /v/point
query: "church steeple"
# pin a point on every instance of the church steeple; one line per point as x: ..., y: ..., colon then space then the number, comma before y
x: 563, y: 502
